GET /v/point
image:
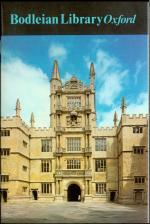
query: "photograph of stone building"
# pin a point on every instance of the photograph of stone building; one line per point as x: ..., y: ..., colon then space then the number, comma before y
x: 73, y: 159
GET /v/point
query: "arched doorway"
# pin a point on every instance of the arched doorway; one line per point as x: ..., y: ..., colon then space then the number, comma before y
x: 74, y: 193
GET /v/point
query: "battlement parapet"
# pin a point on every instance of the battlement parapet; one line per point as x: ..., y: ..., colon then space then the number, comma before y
x: 42, y: 132
x: 105, y: 131
x: 7, y: 118
x: 42, y: 129
x: 105, y: 128
x: 133, y: 119
x: 137, y: 116
x: 14, y: 122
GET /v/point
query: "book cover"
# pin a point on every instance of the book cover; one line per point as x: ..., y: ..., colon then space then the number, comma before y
x: 74, y: 112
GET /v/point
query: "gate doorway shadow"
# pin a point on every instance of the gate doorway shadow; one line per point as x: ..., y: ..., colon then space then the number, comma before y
x: 74, y: 193
x: 112, y: 196
x: 4, y: 195
x: 35, y: 194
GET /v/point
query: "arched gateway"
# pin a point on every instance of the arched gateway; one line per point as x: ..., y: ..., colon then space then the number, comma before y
x: 74, y: 193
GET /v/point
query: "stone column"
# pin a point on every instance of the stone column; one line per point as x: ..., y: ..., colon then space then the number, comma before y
x: 58, y: 100
x: 58, y: 141
x: 88, y: 99
x: 85, y: 140
x: 57, y: 187
x: 88, y: 120
x: 85, y: 187
x: 59, y: 119
x: 89, y: 187
x: 53, y: 188
x: 87, y: 162
x: 57, y: 162
x: 88, y: 140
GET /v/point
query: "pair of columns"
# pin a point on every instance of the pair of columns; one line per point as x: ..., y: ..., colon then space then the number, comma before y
x: 87, y: 163
x: 57, y: 189
x: 58, y: 163
x: 87, y: 187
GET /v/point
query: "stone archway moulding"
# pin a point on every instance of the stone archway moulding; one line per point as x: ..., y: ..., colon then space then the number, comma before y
x: 74, y: 182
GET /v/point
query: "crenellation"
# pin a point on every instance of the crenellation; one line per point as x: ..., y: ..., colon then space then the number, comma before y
x: 42, y: 132
x: 136, y: 116
x: 105, y: 128
x: 109, y: 129
x: 134, y: 119
x: 8, y: 121
x: 104, y: 131
x: 41, y: 129
x: 7, y: 118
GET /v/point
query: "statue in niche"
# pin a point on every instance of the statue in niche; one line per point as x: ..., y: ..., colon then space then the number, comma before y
x: 73, y: 119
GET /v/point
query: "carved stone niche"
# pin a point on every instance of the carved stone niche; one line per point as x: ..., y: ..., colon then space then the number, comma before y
x: 73, y: 119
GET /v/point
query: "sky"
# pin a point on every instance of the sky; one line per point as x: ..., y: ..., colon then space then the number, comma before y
x: 121, y: 67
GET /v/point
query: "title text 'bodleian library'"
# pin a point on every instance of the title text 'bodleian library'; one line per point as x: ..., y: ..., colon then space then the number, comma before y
x: 73, y: 160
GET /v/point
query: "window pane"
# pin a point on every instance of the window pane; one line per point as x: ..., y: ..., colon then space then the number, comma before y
x: 5, y: 132
x: 46, y: 165
x: 100, y: 144
x: 138, y: 149
x: 100, y: 165
x: 137, y: 129
x: 46, y: 145
x: 73, y: 101
x: 46, y: 188
x: 73, y: 144
x: 139, y: 180
x: 73, y: 164
x: 100, y: 188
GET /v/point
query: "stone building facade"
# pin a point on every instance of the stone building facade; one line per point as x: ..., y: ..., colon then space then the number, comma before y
x: 73, y: 160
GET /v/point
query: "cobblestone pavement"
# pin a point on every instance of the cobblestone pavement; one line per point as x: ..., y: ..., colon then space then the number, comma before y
x: 72, y: 212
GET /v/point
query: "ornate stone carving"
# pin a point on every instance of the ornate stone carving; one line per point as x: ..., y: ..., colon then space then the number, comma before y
x: 73, y: 119
x: 73, y: 83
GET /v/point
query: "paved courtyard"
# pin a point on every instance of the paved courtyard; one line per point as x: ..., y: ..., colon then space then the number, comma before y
x: 72, y: 212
